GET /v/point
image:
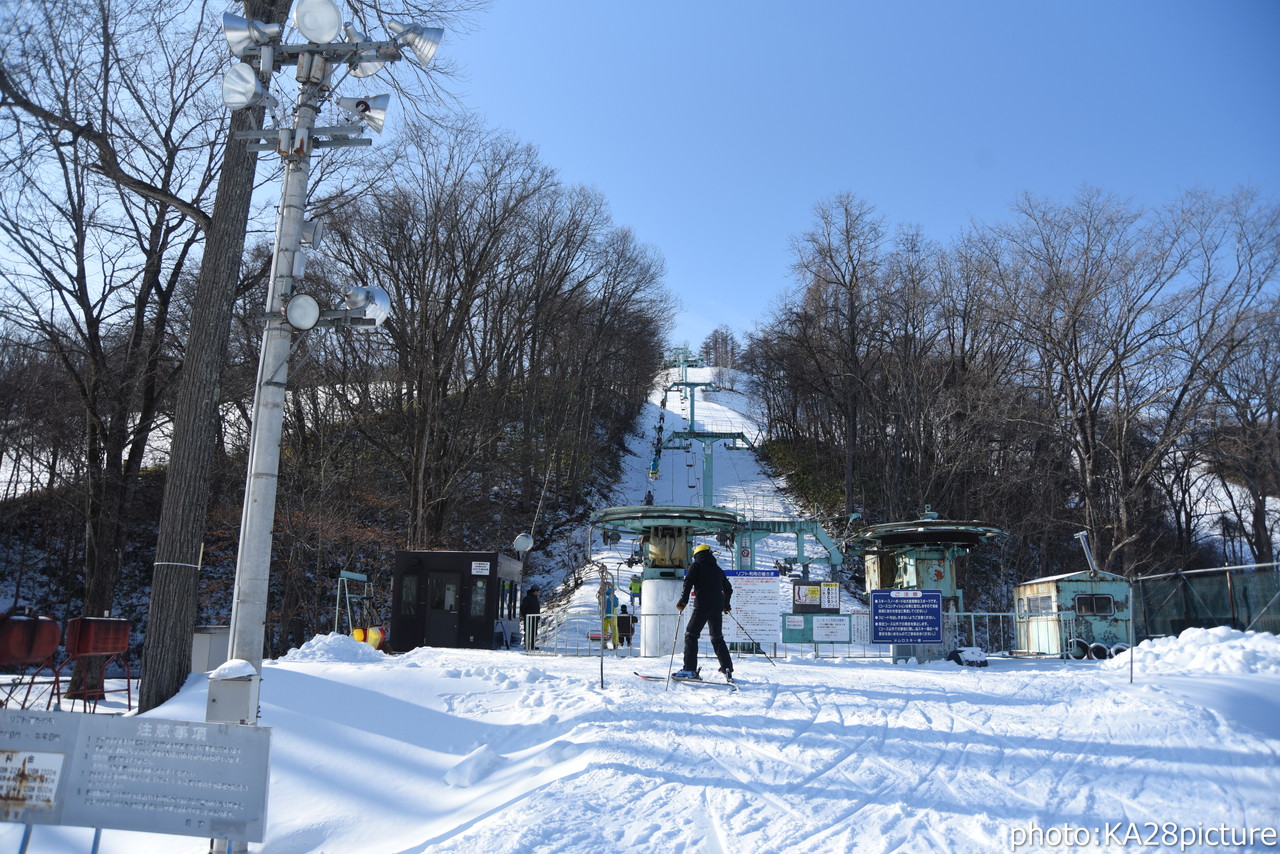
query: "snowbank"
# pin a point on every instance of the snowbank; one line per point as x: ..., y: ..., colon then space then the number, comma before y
x: 1217, y: 650
x: 335, y: 648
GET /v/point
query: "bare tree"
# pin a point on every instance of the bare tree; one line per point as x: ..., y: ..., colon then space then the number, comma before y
x: 510, y: 295
x: 836, y: 262
x: 108, y: 138
x: 1067, y: 368
x: 97, y: 260
x: 1130, y: 328
x: 1242, y: 445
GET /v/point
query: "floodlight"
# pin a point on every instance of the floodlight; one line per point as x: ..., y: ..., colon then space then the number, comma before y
x: 302, y: 312
x: 423, y: 41
x: 319, y: 21
x: 523, y: 543
x: 312, y: 232
x: 366, y: 63
x: 372, y: 111
x: 243, y: 33
x: 369, y: 303
x: 241, y: 88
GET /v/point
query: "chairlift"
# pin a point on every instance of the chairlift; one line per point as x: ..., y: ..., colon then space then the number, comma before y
x: 363, y: 622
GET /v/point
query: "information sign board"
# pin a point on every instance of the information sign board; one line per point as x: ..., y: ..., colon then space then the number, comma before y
x: 815, y: 597
x: 906, y: 616
x: 145, y: 774
x: 830, y: 628
x: 755, y: 606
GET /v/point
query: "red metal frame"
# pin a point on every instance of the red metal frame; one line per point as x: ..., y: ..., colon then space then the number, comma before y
x: 89, y: 638
x: 28, y: 638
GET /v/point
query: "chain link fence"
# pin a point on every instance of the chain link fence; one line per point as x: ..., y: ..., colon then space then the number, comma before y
x: 1242, y: 597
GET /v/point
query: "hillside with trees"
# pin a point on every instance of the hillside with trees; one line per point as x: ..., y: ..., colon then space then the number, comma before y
x: 527, y: 329
x: 1086, y: 365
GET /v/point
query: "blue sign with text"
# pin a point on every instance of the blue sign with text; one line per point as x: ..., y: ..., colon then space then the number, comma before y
x: 906, y: 616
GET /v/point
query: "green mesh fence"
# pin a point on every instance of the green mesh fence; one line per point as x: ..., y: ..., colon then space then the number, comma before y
x: 1240, y: 598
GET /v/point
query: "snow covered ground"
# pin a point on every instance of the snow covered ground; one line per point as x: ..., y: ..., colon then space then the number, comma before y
x: 461, y: 750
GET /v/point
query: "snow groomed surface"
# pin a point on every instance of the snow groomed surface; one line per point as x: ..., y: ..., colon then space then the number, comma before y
x: 464, y: 751
x: 467, y: 750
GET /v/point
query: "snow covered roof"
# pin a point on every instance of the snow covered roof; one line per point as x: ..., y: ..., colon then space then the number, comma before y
x: 1080, y: 575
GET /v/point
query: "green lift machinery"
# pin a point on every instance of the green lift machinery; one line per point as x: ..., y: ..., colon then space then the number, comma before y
x: 920, y: 554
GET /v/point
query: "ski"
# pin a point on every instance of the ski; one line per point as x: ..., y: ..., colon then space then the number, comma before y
x: 732, y: 686
x: 684, y: 681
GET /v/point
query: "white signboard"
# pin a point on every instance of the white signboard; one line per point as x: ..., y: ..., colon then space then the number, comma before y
x: 146, y: 774
x: 830, y: 596
x: 480, y: 567
x: 755, y: 606
x: 861, y: 627
x: 831, y: 628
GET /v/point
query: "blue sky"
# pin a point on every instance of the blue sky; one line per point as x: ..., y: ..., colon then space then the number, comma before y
x: 713, y: 127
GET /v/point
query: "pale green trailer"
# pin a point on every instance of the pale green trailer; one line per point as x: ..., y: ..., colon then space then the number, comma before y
x: 1084, y: 614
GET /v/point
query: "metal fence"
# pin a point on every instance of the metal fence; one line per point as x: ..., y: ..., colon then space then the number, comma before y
x: 579, y: 633
x: 1245, y: 598
x: 1242, y: 597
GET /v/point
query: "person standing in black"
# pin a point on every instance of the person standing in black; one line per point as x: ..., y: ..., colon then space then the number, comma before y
x: 530, y: 608
x: 626, y: 626
x: 713, y: 591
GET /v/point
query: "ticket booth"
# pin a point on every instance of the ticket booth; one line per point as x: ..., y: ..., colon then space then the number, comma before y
x: 454, y: 599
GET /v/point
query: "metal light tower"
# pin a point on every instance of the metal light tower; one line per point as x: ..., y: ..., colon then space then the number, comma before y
x: 288, y: 312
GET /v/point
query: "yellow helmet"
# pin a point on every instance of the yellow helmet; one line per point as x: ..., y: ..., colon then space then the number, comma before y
x: 701, y: 547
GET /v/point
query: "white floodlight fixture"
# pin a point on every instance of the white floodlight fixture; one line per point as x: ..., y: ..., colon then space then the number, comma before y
x: 364, y: 64
x: 320, y: 21
x: 423, y: 41
x: 312, y: 232
x: 523, y: 543
x: 369, y: 303
x: 241, y: 88
x: 243, y: 33
x: 372, y: 111
x: 302, y: 312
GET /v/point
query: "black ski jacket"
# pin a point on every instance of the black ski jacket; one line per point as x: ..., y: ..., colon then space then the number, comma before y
x: 707, y: 579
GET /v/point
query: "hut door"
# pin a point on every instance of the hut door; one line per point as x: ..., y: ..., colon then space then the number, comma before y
x: 442, y: 608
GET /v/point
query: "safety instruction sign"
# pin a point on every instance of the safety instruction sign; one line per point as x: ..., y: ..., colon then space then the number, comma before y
x: 906, y: 616
x: 832, y: 628
x: 158, y: 776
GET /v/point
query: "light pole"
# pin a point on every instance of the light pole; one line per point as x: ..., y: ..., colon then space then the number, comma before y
x: 287, y: 312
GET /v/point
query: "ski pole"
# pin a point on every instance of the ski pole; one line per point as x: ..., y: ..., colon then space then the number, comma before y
x: 674, y: 641
x: 753, y: 640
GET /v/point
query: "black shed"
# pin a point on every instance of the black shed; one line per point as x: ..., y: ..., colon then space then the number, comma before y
x: 454, y: 599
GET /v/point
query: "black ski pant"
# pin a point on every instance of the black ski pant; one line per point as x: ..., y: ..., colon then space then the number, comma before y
x: 715, y: 621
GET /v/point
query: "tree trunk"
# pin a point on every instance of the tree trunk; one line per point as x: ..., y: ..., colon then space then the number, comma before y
x: 166, y: 656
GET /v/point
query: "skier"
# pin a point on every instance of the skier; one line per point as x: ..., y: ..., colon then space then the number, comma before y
x: 712, y: 592
x: 608, y: 609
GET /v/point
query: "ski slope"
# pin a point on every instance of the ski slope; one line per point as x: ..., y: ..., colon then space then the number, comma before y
x: 446, y: 750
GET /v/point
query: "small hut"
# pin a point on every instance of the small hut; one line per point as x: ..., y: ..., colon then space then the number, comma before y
x: 1080, y: 614
x: 454, y: 599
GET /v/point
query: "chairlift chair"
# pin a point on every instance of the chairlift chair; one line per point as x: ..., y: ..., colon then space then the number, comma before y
x: 363, y: 622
